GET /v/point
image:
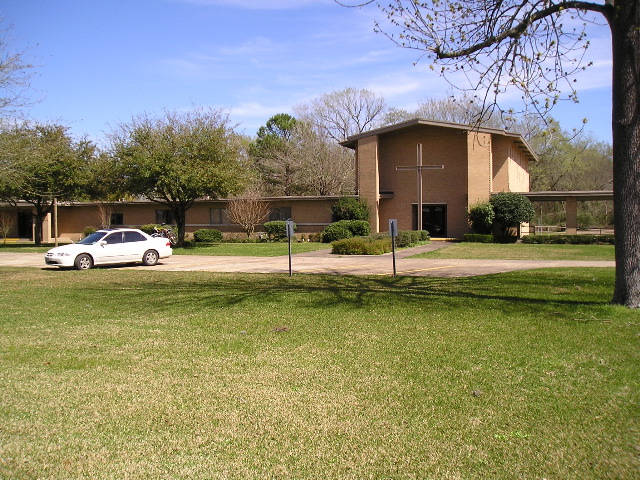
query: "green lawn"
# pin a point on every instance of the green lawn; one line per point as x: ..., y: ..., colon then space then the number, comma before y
x: 520, y: 251
x: 253, y: 249
x: 139, y: 374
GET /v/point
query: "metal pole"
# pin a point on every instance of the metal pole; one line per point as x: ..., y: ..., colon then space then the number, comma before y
x: 419, y: 160
x: 55, y: 221
x: 290, y: 274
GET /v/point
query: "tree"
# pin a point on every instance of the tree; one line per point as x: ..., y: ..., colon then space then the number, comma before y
x: 271, y: 156
x: 247, y: 211
x: 350, y: 208
x: 15, y: 74
x: 510, y: 210
x: 42, y: 163
x: 324, y: 167
x: 343, y: 113
x: 481, y: 217
x: 296, y: 157
x: 538, y: 48
x: 179, y: 157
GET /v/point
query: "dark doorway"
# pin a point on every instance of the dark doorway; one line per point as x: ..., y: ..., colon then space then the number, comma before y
x: 434, y: 219
x: 25, y: 224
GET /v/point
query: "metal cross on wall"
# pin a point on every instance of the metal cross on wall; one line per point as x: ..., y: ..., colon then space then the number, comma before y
x: 419, y: 168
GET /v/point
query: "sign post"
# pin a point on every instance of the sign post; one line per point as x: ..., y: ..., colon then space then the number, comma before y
x: 393, y: 233
x: 289, y: 226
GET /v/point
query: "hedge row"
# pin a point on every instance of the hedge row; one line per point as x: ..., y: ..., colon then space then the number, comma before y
x: 361, y: 246
x: 569, y: 239
x: 477, y: 238
x: 409, y: 238
x: 207, y: 235
x: 345, y: 229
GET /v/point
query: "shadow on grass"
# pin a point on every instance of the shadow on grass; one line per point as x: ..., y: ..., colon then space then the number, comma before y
x: 537, y: 290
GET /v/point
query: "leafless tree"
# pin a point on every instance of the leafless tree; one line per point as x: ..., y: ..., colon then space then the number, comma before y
x: 7, y: 221
x: 248, y: 211
x: 344, y: 112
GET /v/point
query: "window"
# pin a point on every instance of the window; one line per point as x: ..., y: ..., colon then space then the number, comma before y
x: 114, y: 238
x: 134, y: 237
x: 165, y: 216
x: 280, y: 213
x: 117, y: 219
x: 218, y: 216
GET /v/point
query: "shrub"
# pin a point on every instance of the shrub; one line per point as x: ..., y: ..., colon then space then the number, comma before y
x: 477, y: 238
x: 407, y: 238
x: 481, y: 217
x: 88, y: 231
x: 361, y: 246
x: 350, y: 208
x: 149, y: 229
x: 207, y: 235
x: 335, y: 231
x: 569, y: 239
x: 277, y: 230
x: 345, y: 229
x: 511, y: 209
x: 424, y: 235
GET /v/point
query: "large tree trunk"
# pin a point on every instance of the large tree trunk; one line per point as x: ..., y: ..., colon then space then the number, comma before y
x: 625, y: 31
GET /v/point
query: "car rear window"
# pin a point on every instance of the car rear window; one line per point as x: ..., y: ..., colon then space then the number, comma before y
x: 134, y: 237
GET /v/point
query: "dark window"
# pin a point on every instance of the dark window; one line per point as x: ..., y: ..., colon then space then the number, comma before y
x: 114, y: 238
x: 434, y: 219
x: 117, y: 219
x: 280, y: 213
x: 134, y: 237
x: 165, y: 216
x: 218, y: 216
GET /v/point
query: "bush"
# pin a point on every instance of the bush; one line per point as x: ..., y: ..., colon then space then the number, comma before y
x: 336, y: 231
x: 361, y: 246
x: 88, y: 231
x: 424, y: 235
x: 569, y: 239
x: 407, y: 238
x: 477, y: 238
x: 277, y: 230
x: 207, y: 235
x: 149, y: 229
x: 350, y: 208
x: 481, y: 217
x: 511, y: 209
x: 345, y: 229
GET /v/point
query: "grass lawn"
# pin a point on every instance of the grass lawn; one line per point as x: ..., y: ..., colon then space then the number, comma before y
x: 138, y: 374
x: 253, y: 249
x: 466, y: 250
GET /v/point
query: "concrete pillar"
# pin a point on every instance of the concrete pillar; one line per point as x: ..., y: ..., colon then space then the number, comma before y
x: 571, y: 207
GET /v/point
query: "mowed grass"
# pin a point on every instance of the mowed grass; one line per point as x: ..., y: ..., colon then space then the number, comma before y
x: 522, y: 252
x: 267, y: 249
x: 112, y: 374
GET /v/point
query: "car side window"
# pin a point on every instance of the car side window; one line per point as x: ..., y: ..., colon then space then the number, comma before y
x: 114, y: 238
x: 133, y: 237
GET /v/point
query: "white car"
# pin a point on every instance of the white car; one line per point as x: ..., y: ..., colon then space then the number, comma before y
x: 110, y: 246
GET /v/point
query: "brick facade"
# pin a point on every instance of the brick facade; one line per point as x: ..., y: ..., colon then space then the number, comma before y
x: 476, y: 163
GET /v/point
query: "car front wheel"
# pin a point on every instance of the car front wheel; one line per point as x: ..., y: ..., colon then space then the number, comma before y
x: 83, y: 262
x: 150, y: 258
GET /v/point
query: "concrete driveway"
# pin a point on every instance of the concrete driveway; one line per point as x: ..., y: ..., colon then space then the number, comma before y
x: 322, y: 262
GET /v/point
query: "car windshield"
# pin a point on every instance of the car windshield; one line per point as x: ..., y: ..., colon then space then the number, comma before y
x: 92, y: 238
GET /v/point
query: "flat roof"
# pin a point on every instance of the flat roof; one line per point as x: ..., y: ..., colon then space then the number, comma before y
x: 580, y: 195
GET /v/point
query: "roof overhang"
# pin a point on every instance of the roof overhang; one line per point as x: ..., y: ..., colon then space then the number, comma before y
x: 352, y: 141
x: 579, y: 195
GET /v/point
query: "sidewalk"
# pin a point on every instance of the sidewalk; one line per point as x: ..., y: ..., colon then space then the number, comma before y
x: 323, y: 262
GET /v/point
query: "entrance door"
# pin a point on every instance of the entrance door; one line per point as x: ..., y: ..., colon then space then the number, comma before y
x: 25, y: 224
x: 434, y: 219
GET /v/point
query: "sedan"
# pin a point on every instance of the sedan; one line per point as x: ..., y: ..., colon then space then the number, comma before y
x: 108, y: 247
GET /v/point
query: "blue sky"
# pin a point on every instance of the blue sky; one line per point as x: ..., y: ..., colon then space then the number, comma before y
x: 100, y: 62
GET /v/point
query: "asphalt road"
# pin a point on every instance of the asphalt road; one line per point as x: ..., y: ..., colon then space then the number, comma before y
x: 322, y: 262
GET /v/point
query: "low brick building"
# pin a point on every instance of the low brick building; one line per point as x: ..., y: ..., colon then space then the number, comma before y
x: 475, y: 163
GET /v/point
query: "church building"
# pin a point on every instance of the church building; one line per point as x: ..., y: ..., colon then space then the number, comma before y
x: 438, y: 168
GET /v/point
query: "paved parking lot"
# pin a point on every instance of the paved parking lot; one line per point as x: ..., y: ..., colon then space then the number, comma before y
x: 322, y: 262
